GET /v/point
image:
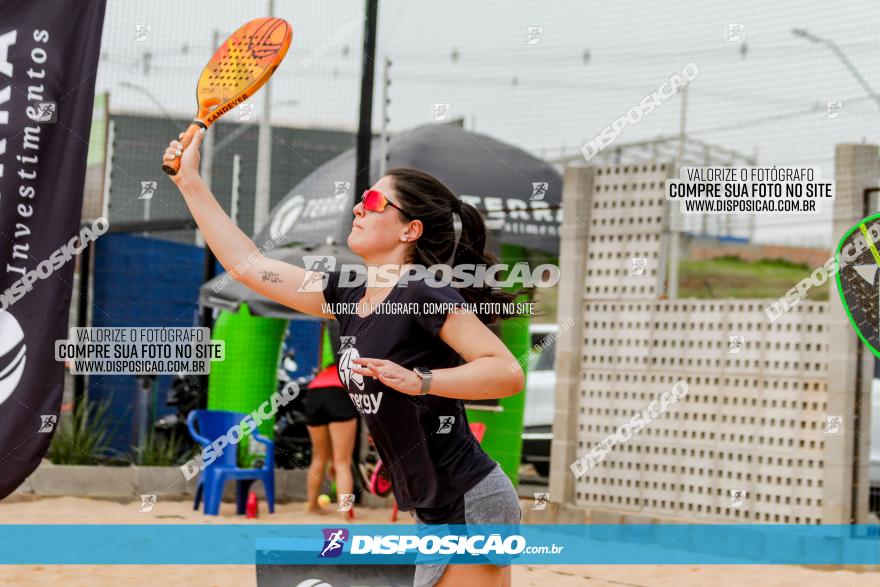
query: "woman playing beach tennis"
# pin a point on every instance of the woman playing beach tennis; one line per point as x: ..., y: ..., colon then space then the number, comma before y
x: 407, y: 372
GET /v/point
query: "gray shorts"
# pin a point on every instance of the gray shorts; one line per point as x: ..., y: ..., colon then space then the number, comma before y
x: 491, y: 501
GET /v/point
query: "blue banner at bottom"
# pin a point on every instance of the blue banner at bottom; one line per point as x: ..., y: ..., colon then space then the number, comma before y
x: 408, y: 544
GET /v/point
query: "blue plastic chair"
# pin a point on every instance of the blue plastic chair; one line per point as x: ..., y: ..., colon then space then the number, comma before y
x: 205, y: 426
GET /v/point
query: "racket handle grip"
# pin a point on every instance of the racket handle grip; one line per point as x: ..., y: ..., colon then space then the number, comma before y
x: 173, y: 166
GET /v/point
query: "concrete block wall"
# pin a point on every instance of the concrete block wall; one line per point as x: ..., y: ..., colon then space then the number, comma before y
x: 751, y: 422
x: 625, y: 215
x: 851, y: 364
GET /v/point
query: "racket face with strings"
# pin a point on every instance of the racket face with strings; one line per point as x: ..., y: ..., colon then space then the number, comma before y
x: 240, y: 67
x: 858, y: 279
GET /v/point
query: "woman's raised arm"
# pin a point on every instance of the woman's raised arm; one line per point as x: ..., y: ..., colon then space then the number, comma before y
x: 237, y: 253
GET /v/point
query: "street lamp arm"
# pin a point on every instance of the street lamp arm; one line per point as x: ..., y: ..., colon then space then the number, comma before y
x: 855, y: 72
x: 804, y: 34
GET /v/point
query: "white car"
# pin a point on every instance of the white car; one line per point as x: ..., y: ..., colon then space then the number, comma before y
x: 540, y: 389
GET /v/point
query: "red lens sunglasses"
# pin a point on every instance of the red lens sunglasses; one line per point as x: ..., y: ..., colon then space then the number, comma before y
x: 375, y: 201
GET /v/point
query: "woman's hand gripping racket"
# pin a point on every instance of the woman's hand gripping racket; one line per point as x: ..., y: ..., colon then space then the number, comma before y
x: 242, y: 64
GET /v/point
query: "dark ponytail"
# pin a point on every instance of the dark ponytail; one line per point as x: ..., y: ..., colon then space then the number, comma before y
x: 424, y: 197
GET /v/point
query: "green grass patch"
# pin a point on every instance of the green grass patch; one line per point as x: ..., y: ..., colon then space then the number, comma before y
x: 732, y: 277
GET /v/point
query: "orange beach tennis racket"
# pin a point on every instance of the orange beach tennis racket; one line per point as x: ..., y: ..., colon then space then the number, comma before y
x: 240, y: 67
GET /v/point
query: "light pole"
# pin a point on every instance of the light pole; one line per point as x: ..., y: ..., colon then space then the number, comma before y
x: 804, y: 34
x: 264, y: 153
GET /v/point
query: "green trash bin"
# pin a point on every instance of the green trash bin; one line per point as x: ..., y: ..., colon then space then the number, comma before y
x: 248, y: 375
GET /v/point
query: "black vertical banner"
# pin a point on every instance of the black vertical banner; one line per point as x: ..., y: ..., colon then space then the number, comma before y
x: 48, y: 61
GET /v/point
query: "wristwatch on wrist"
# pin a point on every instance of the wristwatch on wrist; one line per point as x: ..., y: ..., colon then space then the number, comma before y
x: 425, y: 375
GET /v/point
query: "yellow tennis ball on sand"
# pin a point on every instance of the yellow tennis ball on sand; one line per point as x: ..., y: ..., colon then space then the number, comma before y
x: 323, y: 500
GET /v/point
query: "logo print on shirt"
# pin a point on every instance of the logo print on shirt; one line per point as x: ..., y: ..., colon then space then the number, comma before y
x: 366, y: 403
x: 347, y: 353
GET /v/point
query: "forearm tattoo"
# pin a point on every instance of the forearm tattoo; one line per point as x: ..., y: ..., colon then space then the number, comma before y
x: 270, y: 276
